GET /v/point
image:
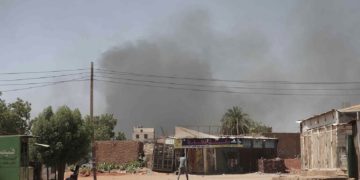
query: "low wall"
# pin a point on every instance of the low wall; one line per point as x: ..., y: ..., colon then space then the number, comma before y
x: 117, y: 151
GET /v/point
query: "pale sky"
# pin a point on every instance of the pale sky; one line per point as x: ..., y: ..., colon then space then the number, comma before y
x: 38, y: 35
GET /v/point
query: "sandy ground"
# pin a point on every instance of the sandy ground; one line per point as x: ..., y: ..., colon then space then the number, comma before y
x: 164, y: 176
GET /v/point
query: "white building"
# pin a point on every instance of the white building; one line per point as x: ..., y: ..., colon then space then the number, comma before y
x: 143, y: 134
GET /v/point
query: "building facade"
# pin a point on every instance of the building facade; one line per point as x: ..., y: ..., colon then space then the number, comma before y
x: 209, y: 154
x: 143, y: 134
x: 330, y: 141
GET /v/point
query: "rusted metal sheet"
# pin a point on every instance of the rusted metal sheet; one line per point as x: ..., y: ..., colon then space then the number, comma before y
x: 163, y: 158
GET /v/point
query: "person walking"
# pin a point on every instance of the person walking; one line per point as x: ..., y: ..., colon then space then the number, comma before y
x: 183, y: 165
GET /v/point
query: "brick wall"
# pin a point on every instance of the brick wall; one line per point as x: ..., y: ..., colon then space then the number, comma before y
x: 118, y: 151
x: 292, y: 164
x: 288, y: 144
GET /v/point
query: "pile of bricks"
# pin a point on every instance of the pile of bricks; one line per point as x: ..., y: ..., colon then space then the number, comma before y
x: 271, y: 165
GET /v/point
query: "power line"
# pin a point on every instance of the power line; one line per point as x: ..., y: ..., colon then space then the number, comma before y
x: 171, y: 86
x: 228, y: 91
x: 117, y: 75
x: 39, y: 72
x: 231, y: 87
x: 33, y: 83
x: 44, y: 85
x: 108, y: 71
x: 42, y: 77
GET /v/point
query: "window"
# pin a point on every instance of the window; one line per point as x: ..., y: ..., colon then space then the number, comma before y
x: 137, y: 136
x: 269, y: 144
x: 145, y: 136
x: 141, y: 130
x: 247, y: 143
x: 257, y: 143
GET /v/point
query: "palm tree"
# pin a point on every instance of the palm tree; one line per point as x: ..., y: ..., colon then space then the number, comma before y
x: 235, y: 122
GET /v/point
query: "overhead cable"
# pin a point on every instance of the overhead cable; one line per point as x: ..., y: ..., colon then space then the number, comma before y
x: 40, y: 72
x: 224, y: 86
x: 43, y: 77
x: 108, y: 71
x: 44, y: 85
x: 228, y: 91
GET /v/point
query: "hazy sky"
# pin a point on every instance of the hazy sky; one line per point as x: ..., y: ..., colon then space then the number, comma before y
x: 250, y: 40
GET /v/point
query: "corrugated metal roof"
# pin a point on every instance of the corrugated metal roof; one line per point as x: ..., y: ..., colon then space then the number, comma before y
x: 318, y: 115
x: 247, y: 137
x: 181, y: 132
x: 355, y: 108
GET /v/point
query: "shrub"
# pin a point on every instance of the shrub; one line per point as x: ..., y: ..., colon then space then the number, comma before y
x: 107, y: 167
x: 130, y: 167
x: 85, y: 171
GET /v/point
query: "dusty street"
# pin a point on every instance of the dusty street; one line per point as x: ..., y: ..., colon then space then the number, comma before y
x: 163, y: 176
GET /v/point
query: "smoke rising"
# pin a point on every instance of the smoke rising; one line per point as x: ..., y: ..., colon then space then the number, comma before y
x: 321, y: 43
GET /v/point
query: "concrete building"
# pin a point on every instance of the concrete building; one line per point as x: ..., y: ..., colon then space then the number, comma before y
x: 330, y: 141
x: 143, y: 134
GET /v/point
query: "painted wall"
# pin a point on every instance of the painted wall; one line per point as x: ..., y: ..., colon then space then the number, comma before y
x: 9, y: 157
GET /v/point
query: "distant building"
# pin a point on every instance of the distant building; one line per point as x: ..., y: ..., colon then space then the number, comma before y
x: 143, y: 134
x: 210, y: 154
x: 288, y: 144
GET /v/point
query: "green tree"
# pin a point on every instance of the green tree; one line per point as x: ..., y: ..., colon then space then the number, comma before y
x: 103, y: 125
x: 259, y: 128
x: 66, y: 134
x: 235, y: 122
x: 121, y: 136
x: 14, y: 117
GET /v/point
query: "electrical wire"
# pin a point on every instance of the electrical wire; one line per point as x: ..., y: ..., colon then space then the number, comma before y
x: 231, y: 87
x: 39, y: 72
x: 43, y: 85
x: 42, y: 77
x: 33, y: 83
x: 118, y: 75
x: 228, y: 91
x: 108, y: 71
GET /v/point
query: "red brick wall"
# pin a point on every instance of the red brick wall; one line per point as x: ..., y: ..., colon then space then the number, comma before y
x: 288, y: 144
x: 117, y: 151
x: 292, y: 164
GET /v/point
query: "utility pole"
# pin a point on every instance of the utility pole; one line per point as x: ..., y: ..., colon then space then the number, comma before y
x: 237, y: 126
x: 92, y: 119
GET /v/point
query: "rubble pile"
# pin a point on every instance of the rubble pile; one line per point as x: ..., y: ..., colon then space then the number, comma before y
x: 271, y: 165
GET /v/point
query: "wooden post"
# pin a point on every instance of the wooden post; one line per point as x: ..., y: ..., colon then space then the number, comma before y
x: 92, y: 119
x: 215, y: 159
x: 205, y: 160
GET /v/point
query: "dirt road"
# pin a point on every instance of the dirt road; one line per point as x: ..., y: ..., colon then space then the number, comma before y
x: 163, y: 176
